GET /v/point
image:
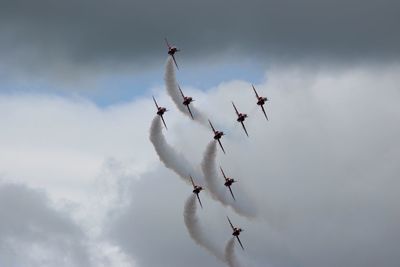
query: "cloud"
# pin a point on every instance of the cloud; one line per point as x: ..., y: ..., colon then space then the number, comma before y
x: 152, y: 230
x: 35, y: 232
x: 45, y: 136
x: 75, y: 37
x: 323, y: 171
x: 32, y: 233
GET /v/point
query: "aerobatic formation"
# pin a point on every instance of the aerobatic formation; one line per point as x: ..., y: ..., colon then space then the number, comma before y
x: 173, y: 160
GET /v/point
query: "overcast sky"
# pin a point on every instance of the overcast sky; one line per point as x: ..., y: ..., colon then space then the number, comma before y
x: 95, y: 32
x: 82, y: 185
x: 75, y: 40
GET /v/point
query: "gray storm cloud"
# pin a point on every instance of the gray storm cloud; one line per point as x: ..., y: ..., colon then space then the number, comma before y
x: 173, y: 92
x: 195, y: 229
x: 215, y: 185
x: 92, y: 32
x: 32, y: 233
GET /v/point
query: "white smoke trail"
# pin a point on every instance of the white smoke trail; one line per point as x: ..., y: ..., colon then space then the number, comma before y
x: 230, y: 256
x: 173, y: 92
x: 216, y: 185
x: 168, y: 155
x: 195, y: 231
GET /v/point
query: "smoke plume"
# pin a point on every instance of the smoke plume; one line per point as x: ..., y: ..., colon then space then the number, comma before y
x: 216, y: 186
x: 230, y: 256
x: 195, y: 231
x: 173, y: 92
x: 168, y: 155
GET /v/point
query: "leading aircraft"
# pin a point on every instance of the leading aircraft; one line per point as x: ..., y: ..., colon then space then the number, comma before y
x: 236, y: 232
x: 261, y: 101
x: 241, y: 118
x: 160, y: 112
x: 196, y: 190
x: 171, y: 51
x: 186, y: 101
x: 228, y: 182
x: 217, y: 136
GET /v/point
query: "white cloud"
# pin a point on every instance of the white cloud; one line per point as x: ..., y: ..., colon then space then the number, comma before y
x: 63, y: 143
x: 34, y: 234
x: 323, y: 170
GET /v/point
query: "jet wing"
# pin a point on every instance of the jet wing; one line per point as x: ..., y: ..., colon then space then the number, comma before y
x: 176, y: 64
x: 222, y: 172
x: 212, y: 127
x: 265, y: 114
x: 237, y: 112
x: 155, y: 102
x: 180, y: 90
x: 191, y: 179
x: 198, y: 197
x: 220, y: 144
x: 244, y: 128
x: 240, y: 242
x: 190, y: 112
x: 230, y: 189
x: 233, y: 228
x: 162, y: 118
x: 255, y: 91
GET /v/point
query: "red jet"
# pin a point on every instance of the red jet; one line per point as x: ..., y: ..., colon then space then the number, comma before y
x: 241, y: 118
x: 228, y: 182
x: 261, y: 101
x: 186, y: 101
x: 160, y: 112
x: 196, y: 190
x: 236, y: 232
x: 217, y: 136
x: 171, y: 51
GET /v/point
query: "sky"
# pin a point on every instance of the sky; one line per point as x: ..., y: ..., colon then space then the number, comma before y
x: 82, y: 183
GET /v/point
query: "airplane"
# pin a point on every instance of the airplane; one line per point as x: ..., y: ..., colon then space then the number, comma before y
x: 196, y: 190
x: 171, y: 51
x: 217, y: 136
x: 186, y: 101
x: 241, y: 118
x: 228, y: 182
x: 261, y: 101
x: 160, y: 112
x: 236, y: 232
